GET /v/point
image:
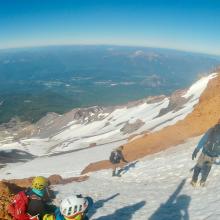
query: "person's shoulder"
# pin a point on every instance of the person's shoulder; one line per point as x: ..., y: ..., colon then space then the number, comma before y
x: 119, y: 152
x: 32, y: 195
x: 28, y: 191
x: 58, y: 214
x: 85, y: 217
x: 217, y: 127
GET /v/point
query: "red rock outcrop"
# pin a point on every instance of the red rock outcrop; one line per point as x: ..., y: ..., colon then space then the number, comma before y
x: 7, y: 191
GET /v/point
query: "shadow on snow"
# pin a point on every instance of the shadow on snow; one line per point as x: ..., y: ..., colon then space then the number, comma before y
x: 175, y: 208
x: 14, y: 156
x: 124, y: 213
x: 99, y: 204
x: 128, y: 167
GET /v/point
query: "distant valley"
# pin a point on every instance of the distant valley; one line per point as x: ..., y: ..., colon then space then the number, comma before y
x: 34, y: 81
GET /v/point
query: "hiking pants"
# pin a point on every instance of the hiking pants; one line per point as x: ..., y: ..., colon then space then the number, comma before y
x: 115, y: 169
x: 203, y: 166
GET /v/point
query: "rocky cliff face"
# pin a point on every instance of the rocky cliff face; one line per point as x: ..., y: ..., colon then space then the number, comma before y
x: 13, y: 130
x: 177, y: 101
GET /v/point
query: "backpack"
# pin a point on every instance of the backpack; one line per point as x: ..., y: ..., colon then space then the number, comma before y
x: 212, y: 146
x: 18, y: 207
x: 115, y: 157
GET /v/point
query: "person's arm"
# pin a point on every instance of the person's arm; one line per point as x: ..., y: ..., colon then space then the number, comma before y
x: 122, y: 157
x: 201, y: 144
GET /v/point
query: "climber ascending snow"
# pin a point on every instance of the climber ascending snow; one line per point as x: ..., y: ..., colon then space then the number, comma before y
x: 210, y: 145
x: 115, y: 158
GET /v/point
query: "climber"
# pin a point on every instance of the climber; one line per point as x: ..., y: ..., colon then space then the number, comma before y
x: 74, y: 207
x: 115, y: 158
x: 210, y: 145
x: 31, y: 203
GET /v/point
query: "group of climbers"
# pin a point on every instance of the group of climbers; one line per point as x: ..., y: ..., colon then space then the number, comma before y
x: 35, y: 204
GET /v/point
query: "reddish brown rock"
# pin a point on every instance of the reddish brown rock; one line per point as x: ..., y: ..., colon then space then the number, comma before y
x: 7, y: 191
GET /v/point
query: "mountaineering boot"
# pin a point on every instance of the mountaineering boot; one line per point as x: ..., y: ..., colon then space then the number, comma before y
x: 196, y: 172
x: 202, y: 183
x: 193, y: 183
x: 114, y: 173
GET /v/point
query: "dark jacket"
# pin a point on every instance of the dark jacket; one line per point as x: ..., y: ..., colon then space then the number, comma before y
x: 117, y: 156
x: 36, y: 204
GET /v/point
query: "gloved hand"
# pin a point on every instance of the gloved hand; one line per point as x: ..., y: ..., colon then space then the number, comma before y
x: 194, y: 154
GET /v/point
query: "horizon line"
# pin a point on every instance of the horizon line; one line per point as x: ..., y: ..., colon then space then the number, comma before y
x: 106, y: 44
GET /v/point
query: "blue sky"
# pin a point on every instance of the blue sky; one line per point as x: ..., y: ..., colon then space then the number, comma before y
x: 191, y: 25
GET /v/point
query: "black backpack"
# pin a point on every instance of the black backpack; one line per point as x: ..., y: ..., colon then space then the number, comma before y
x: 212, y: 147
x: 115, y: 157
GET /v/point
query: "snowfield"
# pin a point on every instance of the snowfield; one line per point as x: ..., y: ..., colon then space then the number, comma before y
x: 155, y: 188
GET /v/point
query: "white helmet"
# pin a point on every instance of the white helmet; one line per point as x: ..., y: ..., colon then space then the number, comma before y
x: 73, y: 205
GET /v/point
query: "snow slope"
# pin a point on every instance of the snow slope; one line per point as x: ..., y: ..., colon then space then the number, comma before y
x: 66, y: 164
x: 156, y: 188
x: 152, y: 188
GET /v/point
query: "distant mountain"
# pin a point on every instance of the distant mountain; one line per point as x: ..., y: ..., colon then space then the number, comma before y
x: 35, y: 81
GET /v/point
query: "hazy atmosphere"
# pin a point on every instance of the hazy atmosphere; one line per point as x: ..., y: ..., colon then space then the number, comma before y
x: 190, y: 25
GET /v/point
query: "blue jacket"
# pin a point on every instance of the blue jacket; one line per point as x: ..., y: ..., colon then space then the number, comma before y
x: 58, y: 215
x: 203, y: 140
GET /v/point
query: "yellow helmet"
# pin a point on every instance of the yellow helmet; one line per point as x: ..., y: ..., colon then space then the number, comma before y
x: 49, y: 217
x: 39, y: 183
